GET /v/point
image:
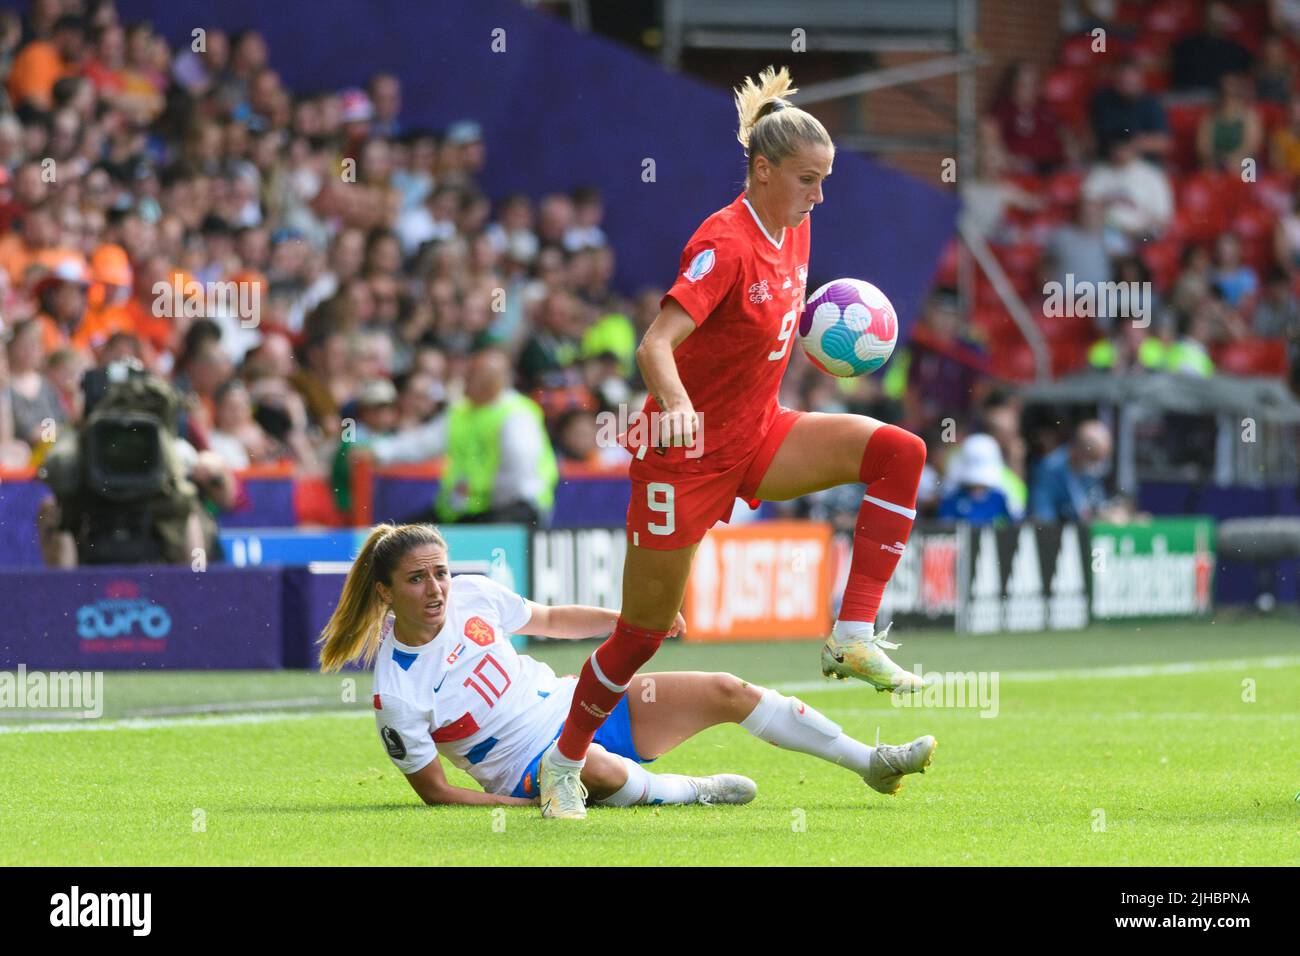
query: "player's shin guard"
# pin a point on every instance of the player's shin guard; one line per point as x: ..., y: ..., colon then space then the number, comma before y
x: 790, y: 723
x: 604, y: 679
x: 891, y: 469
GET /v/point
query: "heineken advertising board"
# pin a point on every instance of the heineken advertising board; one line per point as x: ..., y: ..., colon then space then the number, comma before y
x: 1163, y: 568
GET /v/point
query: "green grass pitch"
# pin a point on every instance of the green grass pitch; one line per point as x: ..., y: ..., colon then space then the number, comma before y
x: 1114, y: 746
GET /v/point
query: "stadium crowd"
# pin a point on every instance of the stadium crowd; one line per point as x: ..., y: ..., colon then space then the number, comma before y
x: 385, y: 310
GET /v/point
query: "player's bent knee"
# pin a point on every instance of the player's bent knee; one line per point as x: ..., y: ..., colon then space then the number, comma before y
x: 603, y: 773
x: 734, y: 695
x: 911, y: 448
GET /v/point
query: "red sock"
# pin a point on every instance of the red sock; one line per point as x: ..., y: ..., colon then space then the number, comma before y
x: 621, y: 656
x: 891, y: 469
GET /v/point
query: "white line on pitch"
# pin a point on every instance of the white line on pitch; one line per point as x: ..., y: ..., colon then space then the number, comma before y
x: 1083, y: 673
x: 158, y: 722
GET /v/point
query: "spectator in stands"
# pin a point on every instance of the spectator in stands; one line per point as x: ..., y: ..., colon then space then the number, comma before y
x: 1124, y: 108
x: 374, y: 415
x: 945, y: 369
x: 588, y: 211
x: 1235, y: 281
x: 1136, y: 194
x: 1195, y: 278
x: 235, y: 436
x: 1278, y: 313
x: 62, y: 294
x: 977, y: 497
x: 555, y: 217
x: 1079, y: 250
x: 1233, y: 132
x: 1024, y: 123
x: 1284, y: 146
x: 1128, y: 348
x: 1202, y: 59
x: 43, y: 62
x: 1274, y: 72
x: 512, y: 232
x: 1286, y: 235
x: 551, y: 352
x: 999, y: 416
x: 385, y: 92
x: 500, y: 465
x: 1190, y: 355
x: 33, y: 400
x: 577, y: 443
x: 989, y: 195
x: 464, y: 151
x: 1068, y: 484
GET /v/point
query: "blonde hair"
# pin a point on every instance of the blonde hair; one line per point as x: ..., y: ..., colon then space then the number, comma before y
x: 770, y: 125
x: 354, y: 629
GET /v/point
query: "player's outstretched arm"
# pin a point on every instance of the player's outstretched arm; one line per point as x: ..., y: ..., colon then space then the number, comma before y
x: 654, y: 356
x: 577, y: 621
x: 433, y: 788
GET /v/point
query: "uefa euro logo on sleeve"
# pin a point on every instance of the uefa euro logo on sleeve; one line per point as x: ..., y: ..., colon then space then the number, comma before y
x: 701, y: 265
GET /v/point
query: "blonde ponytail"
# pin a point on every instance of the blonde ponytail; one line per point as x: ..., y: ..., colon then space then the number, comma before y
x: 770, y: 125
x: 353, y: 630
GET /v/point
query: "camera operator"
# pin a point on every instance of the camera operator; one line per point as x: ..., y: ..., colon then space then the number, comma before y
x: 128, y: 489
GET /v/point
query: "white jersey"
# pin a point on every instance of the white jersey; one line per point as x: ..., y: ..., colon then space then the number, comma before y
x: 467, y: 694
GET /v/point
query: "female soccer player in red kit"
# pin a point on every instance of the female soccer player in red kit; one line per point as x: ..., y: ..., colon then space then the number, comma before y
x: 713, y: 361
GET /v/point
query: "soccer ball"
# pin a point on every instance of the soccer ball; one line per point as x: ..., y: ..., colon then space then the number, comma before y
x: 848, y: 328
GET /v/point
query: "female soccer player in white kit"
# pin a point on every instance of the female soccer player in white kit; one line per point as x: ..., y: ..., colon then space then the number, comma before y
x: 448, y: 682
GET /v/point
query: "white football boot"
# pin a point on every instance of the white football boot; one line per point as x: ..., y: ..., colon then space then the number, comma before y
x: 724, y: 788
x: 560, y: 790
x: 866, y: 660
x: 889, y: 764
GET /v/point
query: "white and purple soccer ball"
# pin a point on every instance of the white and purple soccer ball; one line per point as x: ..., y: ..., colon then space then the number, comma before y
x: 848, y: 328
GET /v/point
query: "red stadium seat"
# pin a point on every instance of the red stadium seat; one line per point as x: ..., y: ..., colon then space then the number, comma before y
x: 946, y: 275
x: 1253, y: 357
x: 995, y: 322
x: 1201, y: 206
x: 1272, y: 115
x: 1173, y: 18
x: 1161, y: 257
x: 1254, y: 227
x: 1013, y: 362
x: 1076, y: 51
x: 1184, y: 119
x: 1064, y: 188
x: 1273, y: 191
x: 1068, y: 355
x: 1068, y: 91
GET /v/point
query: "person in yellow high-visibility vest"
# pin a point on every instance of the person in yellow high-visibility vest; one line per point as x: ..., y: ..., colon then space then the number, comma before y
x: 500, y: 466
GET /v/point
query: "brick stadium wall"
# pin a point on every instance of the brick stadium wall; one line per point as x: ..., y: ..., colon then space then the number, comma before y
x: 1009, y: 30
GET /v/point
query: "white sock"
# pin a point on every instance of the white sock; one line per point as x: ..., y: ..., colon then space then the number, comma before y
x: 845, y: 632
x: 792, y: 724
x: 642, y: 786
x: 559, y: 760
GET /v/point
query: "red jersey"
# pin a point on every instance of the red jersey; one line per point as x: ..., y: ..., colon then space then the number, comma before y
x: 745, y: 293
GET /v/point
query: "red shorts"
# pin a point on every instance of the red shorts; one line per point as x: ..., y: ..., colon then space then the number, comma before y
x: 670, y: 510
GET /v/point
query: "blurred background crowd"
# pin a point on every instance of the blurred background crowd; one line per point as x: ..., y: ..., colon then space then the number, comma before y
x: 403, y: 316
